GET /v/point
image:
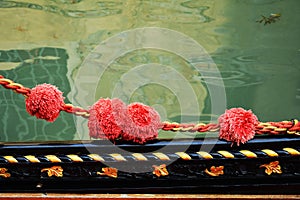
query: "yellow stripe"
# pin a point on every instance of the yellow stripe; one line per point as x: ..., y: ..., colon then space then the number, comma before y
x: 139, y: 157
x: 53, y: 158
x: 248, y: 154
x: 292, y: 151
x: 117, y: 157
x: 10, y: 159
x: 183, y: 155
x: 75, y: 158
x: 161, y: 156
x: 270, y: 153
x: 226, y: 154
x: 205, y: 155
x: 96, y: 157
x: 32, y: 159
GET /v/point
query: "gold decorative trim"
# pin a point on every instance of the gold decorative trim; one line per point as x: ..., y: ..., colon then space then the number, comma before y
x: 226, y: 154
x: 183, y: 155
x: 10, y: 159
x: 272, y: 167
x: 109, y: 171
x: 54, y: 171
x: 139, y: 157
x: 145, y: 156
x: 205, y: 155
x: 292, y: 151
x: 53, y: 158
x: 117, y: 157
x: 248, y: 154
x: 75, y: 158
x: 215, y: 171
x: 160, y: 170
x: 96, y: 157
x: 32, y: 159
x: 161, y: 156
x: 4, y: 173
x: 270, y: 153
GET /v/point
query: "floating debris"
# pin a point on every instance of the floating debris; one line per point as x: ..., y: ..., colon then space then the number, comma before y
x: 271, y: 19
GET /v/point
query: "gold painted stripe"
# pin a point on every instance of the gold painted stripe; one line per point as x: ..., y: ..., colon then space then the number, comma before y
x: 117, y: 157
x: 75, y: 158
x: 53, y: 158
x: 292, y: 151
x: 183, y: 155
x: 32, y: 159
x: 161, y: 156
x: 96, y: 157
x: 226, y: 154
x: 270, y: 153
x: 139, y: 157
x: 248, y: 154
x: 204, y: 154
x: 10, y: 159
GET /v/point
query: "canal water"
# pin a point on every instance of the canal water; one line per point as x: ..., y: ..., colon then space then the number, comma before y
x: 189, y: 59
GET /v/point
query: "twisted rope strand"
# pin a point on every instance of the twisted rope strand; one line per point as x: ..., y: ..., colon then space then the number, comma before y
x: 16, y: 87
x: 275, y: 128
x: 78, y: 111
x: 201, y: 127
x: 271, y: 128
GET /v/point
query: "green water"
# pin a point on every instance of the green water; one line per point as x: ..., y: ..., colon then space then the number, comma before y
x: 258, y: 66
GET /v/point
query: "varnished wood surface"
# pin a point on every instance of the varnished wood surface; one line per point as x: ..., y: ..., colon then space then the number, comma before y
x: 24, y: 196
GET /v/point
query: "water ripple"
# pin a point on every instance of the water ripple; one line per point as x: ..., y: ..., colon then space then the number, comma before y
x: 103, y: 9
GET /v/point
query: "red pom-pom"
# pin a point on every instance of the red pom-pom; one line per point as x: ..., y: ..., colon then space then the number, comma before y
x: 105, y: 119
x: 237, y: 125
x: 111, y: 119
x: 45, y: 101
x: 142, y: 123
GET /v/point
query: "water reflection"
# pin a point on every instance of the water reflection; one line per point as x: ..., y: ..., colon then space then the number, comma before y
x: 34, y: 66
x: 47, y: 41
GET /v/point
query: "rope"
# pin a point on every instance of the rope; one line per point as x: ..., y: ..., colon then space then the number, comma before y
x: 16, y: 87
x: 275, y: 128
x: 78, y: 111
x: 201, y: 127
x: 272, y: 128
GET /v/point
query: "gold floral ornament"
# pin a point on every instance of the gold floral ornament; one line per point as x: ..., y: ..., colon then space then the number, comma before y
x: 160, y: 170
x: 272, y: 167
x: 3, y: 173
x: 54, y: 171
x: 109, y: 171
x: 215, y: 171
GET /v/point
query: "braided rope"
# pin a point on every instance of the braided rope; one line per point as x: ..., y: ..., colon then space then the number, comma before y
x: 16, y: 87
x: 78, y: 111
x: 272, y: 128
x: 275, y: 128
x: 201, y: 127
